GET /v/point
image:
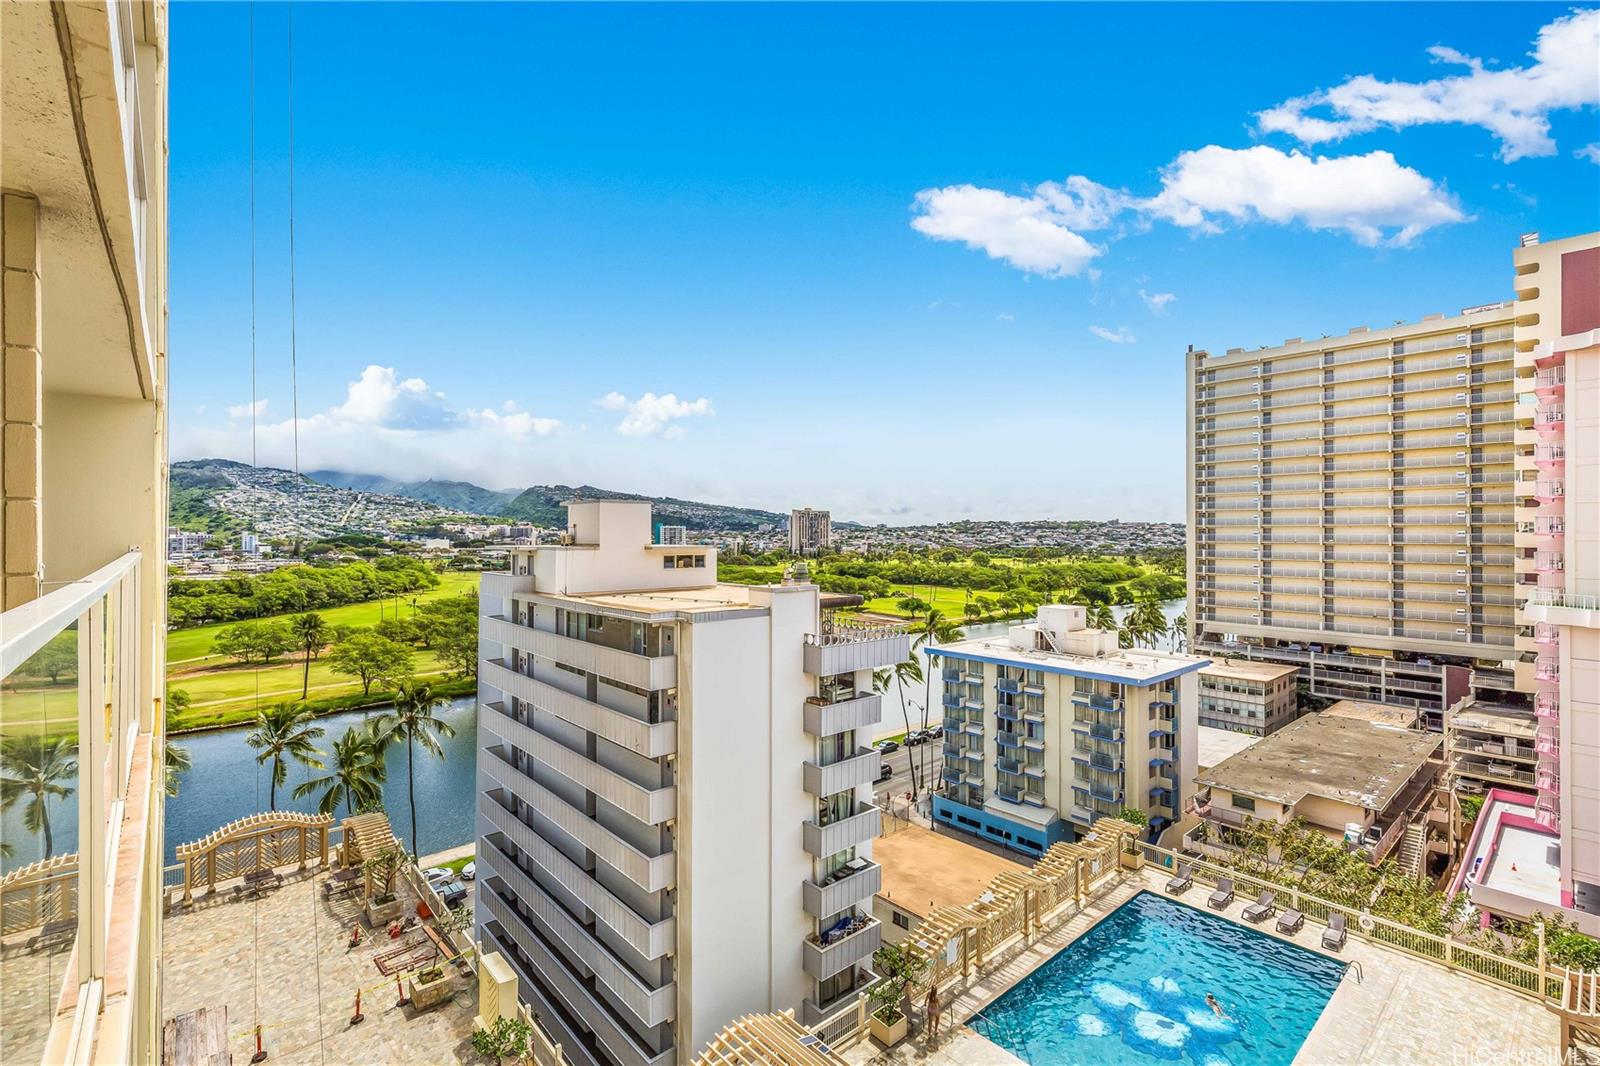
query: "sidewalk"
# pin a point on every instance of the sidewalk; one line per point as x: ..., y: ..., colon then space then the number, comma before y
x: 439, y: 858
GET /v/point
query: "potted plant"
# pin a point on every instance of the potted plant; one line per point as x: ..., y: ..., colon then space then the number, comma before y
x: 430, y: 986
x: 1132, y: 856
x: 383, y: 902
x: 507, y: 1037
x: 900, y: 970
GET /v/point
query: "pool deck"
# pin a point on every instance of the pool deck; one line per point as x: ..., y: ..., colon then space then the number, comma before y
x: 1390, y: 1010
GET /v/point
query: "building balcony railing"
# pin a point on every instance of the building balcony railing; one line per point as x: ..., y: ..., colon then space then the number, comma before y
x: 1008, y: 684
x: 822, y: 839
x: 1547, y: 668
x: 1547, y: 706
x: 833, y: 951
x: 650, y: 739
x: 1098, y: 761
x: 1548, y: 455
x: 1099, y: 703
x: 1008, y: 765
x: 851, y: 771
x: 1547, y: 741
x: 848, y: 886
x: 845, y: 647
x: 649, y: 672
x: 859, y: 710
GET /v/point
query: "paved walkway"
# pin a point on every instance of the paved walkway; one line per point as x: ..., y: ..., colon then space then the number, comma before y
x: 283, y: 961
x: 1391, y: 1010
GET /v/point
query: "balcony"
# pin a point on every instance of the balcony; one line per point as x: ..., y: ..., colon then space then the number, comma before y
x: 1548, y: 491
x: 1009, y: 793
x: 951, y: 700
x: 1551, y: 382
x: 845, y: 647
x: 838, y: 949
x: 1560, y: 608
x: 551, y: 922
x: 650, y: 805
x: 852, y: 771
x: 1009, y: 741
x: 1550, y: 420
x: 1099, y: 703
x: 1553, y: 526
x: 651, y: 673
x: 1034, y: 770
x: 1549, y: 455
x: 814, y: 1014
x: 1547, y: 706
x: 858, y: 710
x: 851, y: 884
x: 1547, y: 741
x: 1547, y: 668
x: 1550, y: 562
x: 503, y: 586
x: 650, y: 739
x: 1108, y: 733
x: 824, y: 839
x: 1006, y: 714
x: 650, y: 872
x: 1009, y: 766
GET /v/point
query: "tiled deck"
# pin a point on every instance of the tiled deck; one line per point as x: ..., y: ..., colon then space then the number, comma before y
x: 30, y: 984
x: 283, y: 961
x: 1391, y: 1010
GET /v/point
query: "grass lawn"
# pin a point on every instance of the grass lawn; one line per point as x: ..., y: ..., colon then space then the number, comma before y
x: 192, y: 647
x: 950, y: 601
x: 455, y: 865
x: 26, y: 709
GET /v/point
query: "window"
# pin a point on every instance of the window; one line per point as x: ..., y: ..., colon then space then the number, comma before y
x: 669, y: 562
x: 901, y: 920
x: 1243, y: 803
x: 700, y: 562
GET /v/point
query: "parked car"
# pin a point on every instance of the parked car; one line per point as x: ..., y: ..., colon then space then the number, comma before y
x: 469, y: 871
x: 437, y: 875
x: 454, y: 893
x: 936, y: 732
x: 886, y: 746
x: 916, y: 736
x: 885, y: 771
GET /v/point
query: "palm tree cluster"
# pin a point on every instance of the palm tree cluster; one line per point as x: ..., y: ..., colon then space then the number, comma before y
x: 286, y: 733
x: 34, y: 770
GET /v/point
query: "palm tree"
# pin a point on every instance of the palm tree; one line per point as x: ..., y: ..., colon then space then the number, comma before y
x: 1100, y: 617
x: 35, y: 768
x: 1179, y: 631
x: 178, y: 763
x: 1147, y: 621
x: 284, y: 731
x: 311, y: 633
x: 358, y: 772
x: 933, y: 629
x: 412, y: 721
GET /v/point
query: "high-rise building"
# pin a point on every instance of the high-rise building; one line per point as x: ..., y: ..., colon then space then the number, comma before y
x: 1557, y: 336
x: 1351, y: 508
x: 674, y: 790
x: 1052, y: 727
x: 83, y: 311
x: 809, y: 531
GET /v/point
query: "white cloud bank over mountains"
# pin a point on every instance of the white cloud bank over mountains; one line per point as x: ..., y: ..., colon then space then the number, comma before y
x: 1513, y: 104
x: 1372, y: 198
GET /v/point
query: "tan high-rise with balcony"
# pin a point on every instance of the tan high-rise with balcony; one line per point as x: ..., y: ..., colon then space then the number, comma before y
x: 83, y: 186
x: 1351, y: 509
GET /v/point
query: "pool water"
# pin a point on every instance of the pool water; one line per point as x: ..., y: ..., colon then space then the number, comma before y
x: 1132, y: 990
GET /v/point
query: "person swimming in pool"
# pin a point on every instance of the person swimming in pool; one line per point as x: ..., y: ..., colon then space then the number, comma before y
x: 1211, y: 1001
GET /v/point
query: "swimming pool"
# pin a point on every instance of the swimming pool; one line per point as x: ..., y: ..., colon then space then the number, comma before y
x: 1132, y: 990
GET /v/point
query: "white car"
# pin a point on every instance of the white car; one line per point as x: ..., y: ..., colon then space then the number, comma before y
x: 469, y: 871
x: 437, y: 875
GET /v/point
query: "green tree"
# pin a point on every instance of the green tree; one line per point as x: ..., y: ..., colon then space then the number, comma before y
x: 371, y: 658
x: 357, y: 775
x: 177, y: 762
x: 507, y: 1038
x: 1100, y: 617
x: 1147, y: 621
x: 251, y: 642
x: 1179, y: 631
x: 58, y: 657
x: 36, y: 769
x: 284, y: 732
x: 413, y: 721
x: 311, y: 634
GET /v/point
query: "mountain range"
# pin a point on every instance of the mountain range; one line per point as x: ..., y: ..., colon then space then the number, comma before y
x: 221, y: 495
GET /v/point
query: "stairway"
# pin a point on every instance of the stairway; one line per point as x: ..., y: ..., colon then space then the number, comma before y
x: 1413, y: 849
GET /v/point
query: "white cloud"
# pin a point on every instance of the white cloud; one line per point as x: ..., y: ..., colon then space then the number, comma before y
x: 1157, y: 301
x: 244, y: 410
x: 1591, y: 152
x: 1116, y: 336
x: 386, y: 424
x: 1514, y: 104
x: 1005, y: 316
x: 651, y: 415
x: 1371, y: 197
x: 1033, y: 233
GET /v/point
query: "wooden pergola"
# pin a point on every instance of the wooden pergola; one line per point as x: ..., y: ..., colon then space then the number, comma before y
x: 256, y: 842
x: 767, y: 1040
x: 39, y: 893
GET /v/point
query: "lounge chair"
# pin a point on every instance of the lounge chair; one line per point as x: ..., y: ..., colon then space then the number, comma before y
x: 1290, y: 921
x: 1182, y: 881
x: 1265, y: 906
x: 1224, y: 893
x: 1333, y: 936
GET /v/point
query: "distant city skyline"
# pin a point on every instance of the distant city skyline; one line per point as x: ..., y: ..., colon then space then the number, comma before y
x: 881, y: 261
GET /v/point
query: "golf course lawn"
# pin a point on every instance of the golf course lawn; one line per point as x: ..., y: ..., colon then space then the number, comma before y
x: 192, y: 647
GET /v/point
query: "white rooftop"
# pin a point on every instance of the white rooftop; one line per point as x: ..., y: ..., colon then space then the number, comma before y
x: 1219, y: 744
x: 1512, y: 856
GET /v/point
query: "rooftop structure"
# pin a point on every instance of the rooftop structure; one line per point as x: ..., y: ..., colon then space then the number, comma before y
x: 1079, y: 728
x: 924, y: 871
x: 1342, y: 759
x: 1402, y: 717
x: 675, y: 823
x: 1512, y: 865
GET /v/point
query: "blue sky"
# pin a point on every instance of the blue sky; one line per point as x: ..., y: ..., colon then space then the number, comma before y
x: 910, y: 263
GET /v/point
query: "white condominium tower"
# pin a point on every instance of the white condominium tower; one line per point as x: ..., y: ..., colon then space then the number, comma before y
x: 1352, y: 508
x: 809, y: 531
x: 674, y: 786
x: 1051, y: 727
x: 1557, y: 335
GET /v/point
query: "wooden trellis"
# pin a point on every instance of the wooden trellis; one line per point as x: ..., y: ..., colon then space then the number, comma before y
x: 258, y: 842
x: 39, y: 893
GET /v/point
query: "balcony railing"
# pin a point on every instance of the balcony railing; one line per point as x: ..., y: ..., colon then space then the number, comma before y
x: 849, y: 885
x: 844, y: 647
x: 837, y: 949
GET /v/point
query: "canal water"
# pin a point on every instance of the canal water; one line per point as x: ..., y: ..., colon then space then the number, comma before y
x: 226, y: 783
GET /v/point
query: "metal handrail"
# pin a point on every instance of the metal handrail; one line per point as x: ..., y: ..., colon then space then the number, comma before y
x: 26, y: 629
